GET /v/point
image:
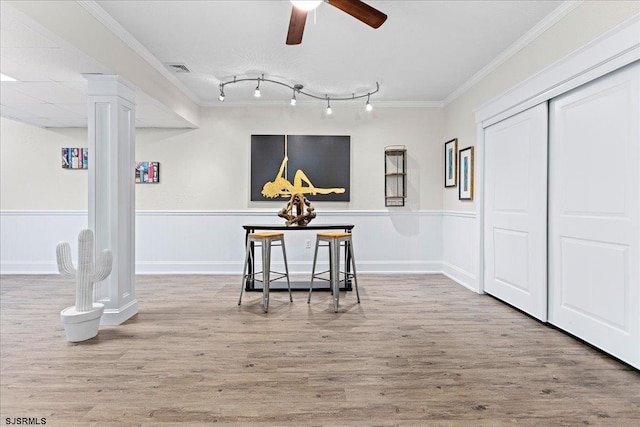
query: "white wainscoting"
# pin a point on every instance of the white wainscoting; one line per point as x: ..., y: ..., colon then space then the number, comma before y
x: 460, y: 248
x: 29, y: 238
x: 212, y: 242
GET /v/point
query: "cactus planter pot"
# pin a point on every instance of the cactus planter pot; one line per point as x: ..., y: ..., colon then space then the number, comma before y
x: 81, y: 321
x: 81, y: 325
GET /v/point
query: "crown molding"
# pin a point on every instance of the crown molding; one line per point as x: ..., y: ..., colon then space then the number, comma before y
x: 409, y: 104
x: 613, y: 49
x: 119, y: 31
x: 556, y: 15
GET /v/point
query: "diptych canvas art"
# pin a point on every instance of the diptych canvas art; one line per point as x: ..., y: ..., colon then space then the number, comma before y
x: 318, y: 166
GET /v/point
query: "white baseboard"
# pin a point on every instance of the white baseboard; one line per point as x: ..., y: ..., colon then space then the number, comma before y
x: 26, y: 267
x: 186, y: 267
x: 112, y: 317
x: 460, y: 276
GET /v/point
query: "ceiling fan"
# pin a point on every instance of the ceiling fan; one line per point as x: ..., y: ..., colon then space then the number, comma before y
x: 356, y: 8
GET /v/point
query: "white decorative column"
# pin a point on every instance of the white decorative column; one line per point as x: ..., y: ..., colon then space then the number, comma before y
x: 111, y: 126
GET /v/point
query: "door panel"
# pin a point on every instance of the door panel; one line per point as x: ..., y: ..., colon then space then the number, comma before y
x: 594, y: 206
x: 515, y: 211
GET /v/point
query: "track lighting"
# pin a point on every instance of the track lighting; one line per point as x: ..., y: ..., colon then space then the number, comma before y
x: 297, y: 89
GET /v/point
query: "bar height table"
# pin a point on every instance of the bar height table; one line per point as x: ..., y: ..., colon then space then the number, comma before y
x: 252, y: 228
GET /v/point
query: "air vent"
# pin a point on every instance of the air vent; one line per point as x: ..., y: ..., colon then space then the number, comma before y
x: 178, y: 68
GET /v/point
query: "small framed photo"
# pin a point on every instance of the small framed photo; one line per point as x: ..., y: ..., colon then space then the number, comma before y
x: 75, y: 158
x: 465, y: 170
x: 147, y: 172
x: 450, y: 163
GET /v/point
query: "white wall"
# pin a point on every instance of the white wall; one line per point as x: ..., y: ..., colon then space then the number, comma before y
x: 208, y: 168
x: 191, y: 221
x: 584, y: 23
x: 204, y: 171
x: 578, y: 27
x: 31, y: 174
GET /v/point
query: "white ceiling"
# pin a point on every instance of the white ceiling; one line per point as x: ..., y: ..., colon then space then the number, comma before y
x: 50, y: 91
x: 425, y: 53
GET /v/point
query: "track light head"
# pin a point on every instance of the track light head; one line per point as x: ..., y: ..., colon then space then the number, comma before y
x: 368, y: 106
x: 257, y: 93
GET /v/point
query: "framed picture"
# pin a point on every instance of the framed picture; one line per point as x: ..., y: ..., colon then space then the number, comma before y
x: 465, y: 170
x: 147, y: 172
x: 75, y: 158
x: 451, y: 163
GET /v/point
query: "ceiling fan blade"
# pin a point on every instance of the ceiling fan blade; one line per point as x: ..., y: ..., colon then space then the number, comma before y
x: 296, y: 25
x: 361, y: 11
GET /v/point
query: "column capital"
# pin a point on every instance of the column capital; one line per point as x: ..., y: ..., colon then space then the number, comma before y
x: 110, y: 85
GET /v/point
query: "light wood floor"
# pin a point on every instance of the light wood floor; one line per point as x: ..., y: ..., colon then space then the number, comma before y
x: 418, y: 351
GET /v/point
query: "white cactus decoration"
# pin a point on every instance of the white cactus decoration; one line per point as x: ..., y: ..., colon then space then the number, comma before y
x: 86, y: 274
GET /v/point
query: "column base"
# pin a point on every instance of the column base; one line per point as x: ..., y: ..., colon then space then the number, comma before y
x: 113, y: 317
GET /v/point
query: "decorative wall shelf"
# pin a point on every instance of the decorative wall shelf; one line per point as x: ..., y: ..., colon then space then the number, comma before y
x: 395, y: 175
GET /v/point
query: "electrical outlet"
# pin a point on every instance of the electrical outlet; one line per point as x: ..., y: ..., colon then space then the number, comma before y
x: 307, y: 244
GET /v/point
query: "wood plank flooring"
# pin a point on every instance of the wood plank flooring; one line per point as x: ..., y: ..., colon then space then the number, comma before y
x: 420, y: 350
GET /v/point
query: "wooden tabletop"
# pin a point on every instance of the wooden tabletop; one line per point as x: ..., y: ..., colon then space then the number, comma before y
x: 251, y: 227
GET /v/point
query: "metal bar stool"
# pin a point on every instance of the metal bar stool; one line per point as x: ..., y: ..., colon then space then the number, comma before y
x: 265, y: 241
x: 334, y: 241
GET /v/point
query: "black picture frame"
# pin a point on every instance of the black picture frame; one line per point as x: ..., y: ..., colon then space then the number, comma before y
x: 451, y: 163
x: 465, y: 174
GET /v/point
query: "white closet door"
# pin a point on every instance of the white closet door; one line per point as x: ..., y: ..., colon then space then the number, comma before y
x: 594, y: 201
x: 515, y: 211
